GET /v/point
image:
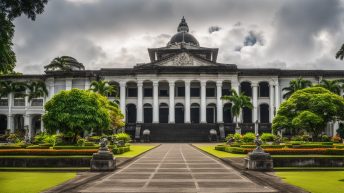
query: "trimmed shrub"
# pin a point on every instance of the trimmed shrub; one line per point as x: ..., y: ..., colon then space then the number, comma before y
x: 220, y: 147
x: 248, y: 137
x: 267, y: 137
x: 325, y: 138
x: 237, y: 137
x: 13, y: 138
x: 95, y: 139
x: 263, y: 146
x: 122, y: 137
x: 81, y: 142
x: 236, y: 150
x: 120, y: 150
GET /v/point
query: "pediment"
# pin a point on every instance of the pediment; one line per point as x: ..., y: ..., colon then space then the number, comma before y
x: 185, y: 59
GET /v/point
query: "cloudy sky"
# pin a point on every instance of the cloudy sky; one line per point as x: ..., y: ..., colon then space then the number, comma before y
x: 290, y: 34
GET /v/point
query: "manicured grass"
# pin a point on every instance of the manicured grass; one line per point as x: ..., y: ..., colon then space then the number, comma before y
x: 221, y: 154
x: 315, y: 181
x: 136, y: 150
x: 46, y: 169
x: 31, y: 182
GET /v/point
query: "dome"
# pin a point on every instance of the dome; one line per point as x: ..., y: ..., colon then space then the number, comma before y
x: 183, y: 35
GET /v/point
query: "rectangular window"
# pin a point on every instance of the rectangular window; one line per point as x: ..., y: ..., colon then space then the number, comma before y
x: 147, y: 92
x: 4, y: 102
x: 132, y: 92
x: 163, y: 93
x: 180, y: 91
x: 210, y: 92
x: 226, y: 92
x: 195, y: 92
x: 37, y: 102
x: 19, y: 102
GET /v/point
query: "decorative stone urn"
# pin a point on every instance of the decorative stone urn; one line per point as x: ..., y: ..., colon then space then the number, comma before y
x: 103, y: 160
x: 258, y: 159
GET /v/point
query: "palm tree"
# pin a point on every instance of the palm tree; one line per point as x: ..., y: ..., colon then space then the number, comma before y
x: 103, y: 87
x: 64, y: 63
x: 331, y: 85
x: 5, y: 88
x: 37, y: 89
x: 239, y: 101
x: 294, y: 85
x: 340, y: 53
x: 18, y: 89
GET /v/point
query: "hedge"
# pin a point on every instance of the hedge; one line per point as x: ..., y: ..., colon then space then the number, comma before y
x: 10, y: 147
x: 76, y: 147
x: 47, y: 152
x: 37, y: 147
x: 263, y: 146
x: 304, y: 146
x: 120, y: 150
x: 288, y: 151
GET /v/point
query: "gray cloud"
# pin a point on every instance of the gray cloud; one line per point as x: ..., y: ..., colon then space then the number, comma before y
x: 106, y: 33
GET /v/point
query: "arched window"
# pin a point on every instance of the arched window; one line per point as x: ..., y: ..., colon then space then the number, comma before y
x: 264, y: 113
x: 247, y: 115
x: 131, y: 113
x: 211, y: 113
x: 194, y: 113
x: 179, y: 113
x: 245, y: 87
x: 163, y: 113
x: 227, y: 115
x: 147, y: 113
x: 3, y: 124
x: 264, y: 90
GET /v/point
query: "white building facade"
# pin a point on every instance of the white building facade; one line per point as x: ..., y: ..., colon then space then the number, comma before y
x: 177, y: 95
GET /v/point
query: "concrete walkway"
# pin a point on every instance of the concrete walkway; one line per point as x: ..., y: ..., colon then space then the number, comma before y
x: 174, y: 168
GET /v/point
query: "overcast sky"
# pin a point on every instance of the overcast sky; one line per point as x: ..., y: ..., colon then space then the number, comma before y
x: 291, y: 34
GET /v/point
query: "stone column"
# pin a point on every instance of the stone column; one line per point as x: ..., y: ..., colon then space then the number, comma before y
x: 255, y: 104
x: 27, y: 103
x: 51, y: 88
x: 171, y: 109
x: 272, y: 108
x: 122, y: 85
x: 156, y: 101
x: 69, y: 84
x: 87, y: 84
x: 219, y: 102
x: 277, y: 96
x: 187, y: 102
x: 10, y: 123
x: 42, y: 124
x: 139, y: 101
x: 28, y: 122
x: 235, y: 86
x: 203, y: 102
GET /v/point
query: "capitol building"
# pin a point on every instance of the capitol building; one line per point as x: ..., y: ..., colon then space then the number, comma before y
x: 177, y: 95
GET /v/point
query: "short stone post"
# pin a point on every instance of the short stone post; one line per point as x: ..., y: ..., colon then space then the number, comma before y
x: 258, y: 159
x: 103, y: 160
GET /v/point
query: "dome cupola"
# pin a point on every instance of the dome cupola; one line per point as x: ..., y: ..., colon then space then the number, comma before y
x: 183, y: 35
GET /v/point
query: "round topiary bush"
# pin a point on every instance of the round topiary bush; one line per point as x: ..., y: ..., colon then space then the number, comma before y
x: 248, y: 137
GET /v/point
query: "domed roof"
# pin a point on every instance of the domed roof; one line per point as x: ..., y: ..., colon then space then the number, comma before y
x: 183, y: 35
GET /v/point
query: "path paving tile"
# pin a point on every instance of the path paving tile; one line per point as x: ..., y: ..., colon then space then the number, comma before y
x: 175, y: 168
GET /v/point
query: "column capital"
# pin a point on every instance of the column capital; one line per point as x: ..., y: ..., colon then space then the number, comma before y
x: 219, y: 83
x: 155, y: 83
x: 187, y: 82
x: 171, y: 83
x: 122, y: 83
x: 139, y: 83
x: 203, y: 82
x: 254, y: 84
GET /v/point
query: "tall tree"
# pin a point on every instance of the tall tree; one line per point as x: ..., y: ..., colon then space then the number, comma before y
x: 239, y: 101
x: 37, y: 89
x: 295, y: 85
x: 9, y: 10
x: 331, y: 85
x: 340, y: 53
x: 103, y: 87
x: 64, y: 63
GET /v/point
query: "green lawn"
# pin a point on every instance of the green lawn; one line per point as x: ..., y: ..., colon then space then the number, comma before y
x: 315, y: 181
x: 221, y: 154
x: 31, y: 182
x: 136, y: 150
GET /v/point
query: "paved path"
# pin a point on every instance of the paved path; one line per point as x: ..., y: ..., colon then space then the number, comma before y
x: 175, y: 168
